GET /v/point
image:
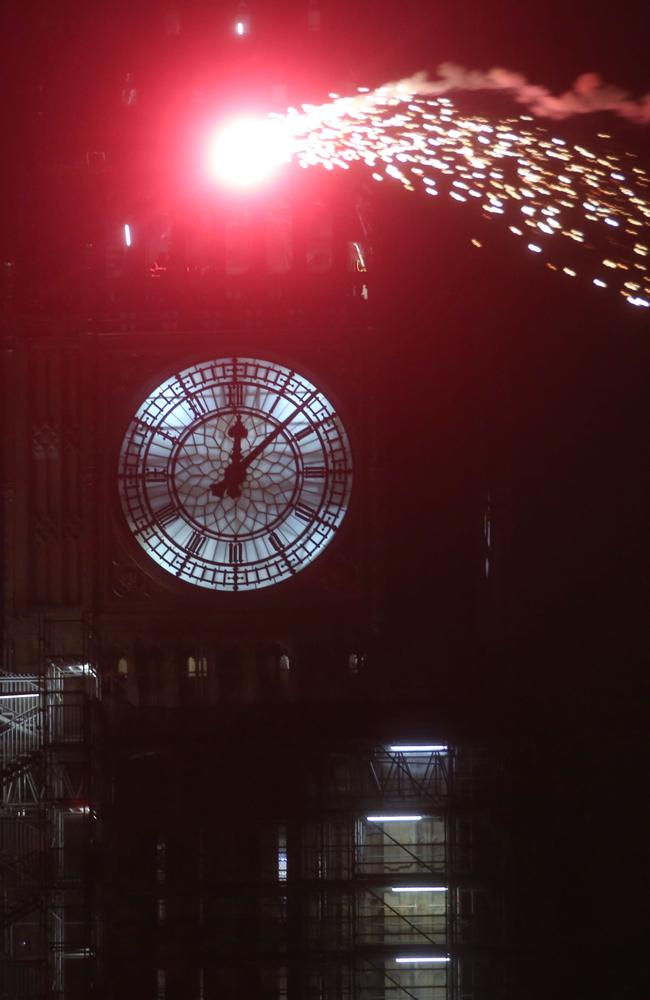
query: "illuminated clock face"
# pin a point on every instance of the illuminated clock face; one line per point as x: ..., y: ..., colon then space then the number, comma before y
x: 235, y: 474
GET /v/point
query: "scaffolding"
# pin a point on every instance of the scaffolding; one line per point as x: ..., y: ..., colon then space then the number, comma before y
x: 375, y: 873
x: 394, y: 890
x: 48, y: 826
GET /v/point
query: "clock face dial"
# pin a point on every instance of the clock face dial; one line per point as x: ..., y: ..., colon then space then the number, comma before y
x: 235, y: 474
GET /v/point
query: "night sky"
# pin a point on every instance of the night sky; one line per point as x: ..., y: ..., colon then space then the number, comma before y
x: 580, y: 377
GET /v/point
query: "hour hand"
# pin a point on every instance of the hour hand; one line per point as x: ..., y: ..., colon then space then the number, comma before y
x: 231, y: 483
x: 235, y: 473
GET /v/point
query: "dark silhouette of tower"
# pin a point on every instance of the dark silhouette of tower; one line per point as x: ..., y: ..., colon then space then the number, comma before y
x: 311, y: 563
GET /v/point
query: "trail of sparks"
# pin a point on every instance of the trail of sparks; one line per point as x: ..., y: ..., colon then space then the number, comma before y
x: 580, y: 210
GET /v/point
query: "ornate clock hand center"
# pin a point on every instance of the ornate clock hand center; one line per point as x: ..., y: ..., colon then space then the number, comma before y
x: 235, y: 472
x: 237, y: 432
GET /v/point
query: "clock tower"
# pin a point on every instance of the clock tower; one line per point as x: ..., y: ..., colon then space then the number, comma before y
x: 233, y: 608
x: 196, y: 603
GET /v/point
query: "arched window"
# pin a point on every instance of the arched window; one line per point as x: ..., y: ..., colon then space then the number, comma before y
x: 356, y: 663
x: 197, y: 667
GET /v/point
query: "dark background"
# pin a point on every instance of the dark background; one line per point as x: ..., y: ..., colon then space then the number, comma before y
x: 542, y: 388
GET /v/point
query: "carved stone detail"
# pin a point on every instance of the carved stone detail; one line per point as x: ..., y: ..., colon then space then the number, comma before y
x: 128, y: 581
x: 45, y: 441
x: 46, y: 529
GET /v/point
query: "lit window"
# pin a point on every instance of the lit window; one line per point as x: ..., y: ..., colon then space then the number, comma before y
x: 282, y: 854
x: 197, y: 666
x: 122, y: 666
x: 356, y: 662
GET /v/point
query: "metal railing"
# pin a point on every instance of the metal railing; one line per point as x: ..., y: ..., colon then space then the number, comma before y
x: 21, y: 734
x: 45, y: 721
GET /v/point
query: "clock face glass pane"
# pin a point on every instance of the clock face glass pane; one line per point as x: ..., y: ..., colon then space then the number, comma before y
x: 235, y: 474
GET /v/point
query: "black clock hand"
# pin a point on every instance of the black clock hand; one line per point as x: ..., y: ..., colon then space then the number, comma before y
x: 237, y: 432
x: 233, y: 479
x: 234, y: 475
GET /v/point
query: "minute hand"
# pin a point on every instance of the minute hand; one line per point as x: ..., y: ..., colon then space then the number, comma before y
x: 250, y: 456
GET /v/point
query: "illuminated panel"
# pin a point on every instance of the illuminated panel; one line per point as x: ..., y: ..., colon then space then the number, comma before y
x: 393, y: 819
x: 408, y: 959
x: 419, y: 748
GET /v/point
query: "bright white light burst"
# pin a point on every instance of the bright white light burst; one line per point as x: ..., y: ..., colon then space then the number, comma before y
x: 248, y: 151
x: 585, y: 207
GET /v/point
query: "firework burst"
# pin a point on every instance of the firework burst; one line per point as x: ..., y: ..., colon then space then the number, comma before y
x: 580, y: 210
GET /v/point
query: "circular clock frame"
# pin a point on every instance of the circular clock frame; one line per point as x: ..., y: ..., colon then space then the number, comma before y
x: 235, y: 474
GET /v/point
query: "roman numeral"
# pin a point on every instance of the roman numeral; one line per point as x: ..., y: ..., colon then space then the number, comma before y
x: 196, y: 543
x: 315, y: 472
x: 273, y: 405
x: 279, y: 548
x: 280, y: 390
x: 235, y: 552
x: 197, y: 405
x: 195, y: 402
x: 304, y: 513
x: 275, y: 542
x: 166, y: 514
x: 152, y: 429
x: 235, y: 394
x: 311, y: 428
x: 155, y: 475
